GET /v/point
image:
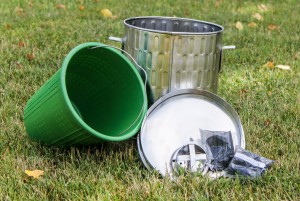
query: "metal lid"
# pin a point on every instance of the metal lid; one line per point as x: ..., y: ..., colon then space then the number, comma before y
x: 172, y: 124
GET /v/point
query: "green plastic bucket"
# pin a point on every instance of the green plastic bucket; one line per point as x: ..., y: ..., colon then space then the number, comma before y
x: 97, y: 95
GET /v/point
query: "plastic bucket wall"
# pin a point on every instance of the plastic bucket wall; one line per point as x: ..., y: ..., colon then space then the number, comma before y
x: 96, y: 95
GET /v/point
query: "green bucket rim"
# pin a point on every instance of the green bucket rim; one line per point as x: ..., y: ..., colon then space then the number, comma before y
x: 72, y: 109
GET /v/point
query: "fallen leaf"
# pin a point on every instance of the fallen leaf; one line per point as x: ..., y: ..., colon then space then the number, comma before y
x: 239, y: 25
x: 30, y: 3
x: 60, y: 6
x: 258, y: 16
x: 106, y: 13
x: 30, y: 56
x: 19, y: 65
x: 262, y: 7
x: 269, y: 64
x: 269, y: 93
x: 21, y: 44
x: 252, y: 24
x: 244, y: 91
x: 81, y: 7
x: 97, y: 1
x: 218, y: 3
x: 272, y: 27
x: 267, y: 122
x: 35, y: 173
x: 283, y: 67
x: 20, y: 11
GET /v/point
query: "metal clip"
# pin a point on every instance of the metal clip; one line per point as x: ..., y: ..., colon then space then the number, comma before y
x: 190, y: 158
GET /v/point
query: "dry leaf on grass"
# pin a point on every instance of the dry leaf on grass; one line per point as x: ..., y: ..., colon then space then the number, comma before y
x: 283, y: 67
x: 270, y: 65
x: 60, y: 6
x: 106, y: 13
x: 81, y: 7
x: 239, y: 25
x: 270, y: 93
x: 262, y: 7
x: 258, y: 16
x: 268, y: 121
x: 20, y: 11
x: 19, y: 65
x: 272, y: 27
x: 21, y: 44
x: 252, y: 24
x: 30, y: 56
x: 35, y: 173
x: 218, y: 3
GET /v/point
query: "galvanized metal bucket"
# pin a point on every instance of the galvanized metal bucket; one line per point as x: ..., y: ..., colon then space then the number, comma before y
x: 177, y: 53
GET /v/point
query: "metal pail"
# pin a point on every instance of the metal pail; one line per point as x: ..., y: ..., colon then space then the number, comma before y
x: 177, y: 53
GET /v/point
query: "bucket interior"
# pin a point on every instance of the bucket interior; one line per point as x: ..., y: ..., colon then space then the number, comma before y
x: 105, y: 91
x: 173, y: 25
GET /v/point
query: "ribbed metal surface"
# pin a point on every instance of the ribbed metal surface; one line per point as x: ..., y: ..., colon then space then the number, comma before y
x: 153, y: 51
x: 195, y: 62
x: 173, y: 59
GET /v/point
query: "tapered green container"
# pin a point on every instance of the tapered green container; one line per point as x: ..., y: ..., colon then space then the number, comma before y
x: 96, y: 95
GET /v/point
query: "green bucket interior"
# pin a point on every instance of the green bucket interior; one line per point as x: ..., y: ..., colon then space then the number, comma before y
x: 105, y: 91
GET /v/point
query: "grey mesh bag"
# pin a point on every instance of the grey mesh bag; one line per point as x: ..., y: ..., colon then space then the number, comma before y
x: 218, y: 147
x: 246, y: 163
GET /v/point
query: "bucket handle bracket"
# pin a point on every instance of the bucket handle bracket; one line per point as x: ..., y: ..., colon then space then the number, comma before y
x: 227, y: 47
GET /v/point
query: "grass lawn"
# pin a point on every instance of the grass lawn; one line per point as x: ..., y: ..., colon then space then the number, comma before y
x: 35, y: 36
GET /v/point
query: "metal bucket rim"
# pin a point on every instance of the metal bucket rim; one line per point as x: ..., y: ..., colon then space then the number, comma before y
x: 171, y: 32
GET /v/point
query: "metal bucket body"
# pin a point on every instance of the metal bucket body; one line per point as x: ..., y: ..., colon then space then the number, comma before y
x: 177, y: 53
